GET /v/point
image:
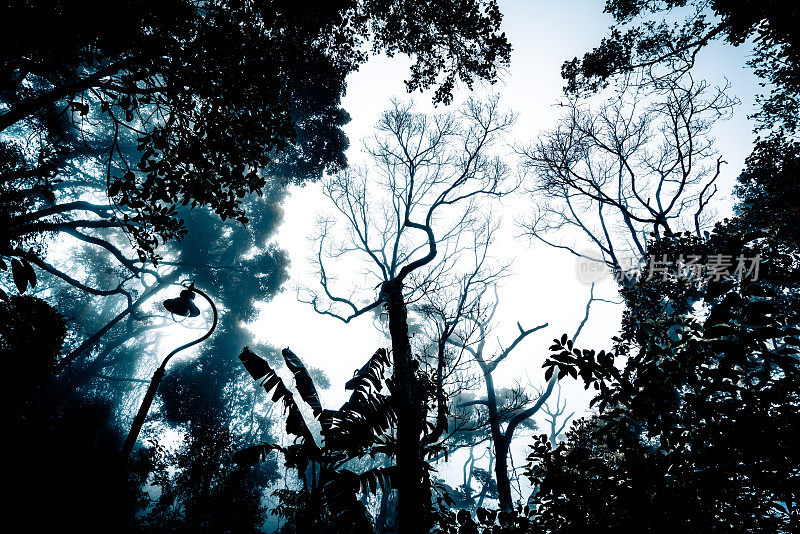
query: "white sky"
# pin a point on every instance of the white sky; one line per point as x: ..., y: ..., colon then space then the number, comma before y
x: 544, y: 286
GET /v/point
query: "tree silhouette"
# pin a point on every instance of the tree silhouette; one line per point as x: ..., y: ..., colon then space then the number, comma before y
x: 198, y: 104
x: 513, y: 415
x: 424, y: 166
x: 640, y: 163
x: 520, y: 409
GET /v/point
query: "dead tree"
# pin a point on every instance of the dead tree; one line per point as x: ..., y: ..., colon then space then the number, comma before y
x: 503, y: 436
x: 640, y: 165
x: 554, y: 414
x: 404, y: 214
x: 500, y: 438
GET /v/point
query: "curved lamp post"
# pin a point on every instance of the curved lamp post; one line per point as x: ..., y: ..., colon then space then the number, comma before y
x: 184, y: 307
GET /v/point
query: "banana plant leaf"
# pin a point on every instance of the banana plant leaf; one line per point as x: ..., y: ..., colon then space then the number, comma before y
x: 266, y: 377
x: 369, y: 481
x: 302, y: 380
x: 371, y: 374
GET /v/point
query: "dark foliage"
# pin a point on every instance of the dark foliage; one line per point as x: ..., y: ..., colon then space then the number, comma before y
x: 361, y: 427
x: 201, y: 488
x: 644, y: 37
x: 185, y: 103
x: 515, y: 521
x: 64, y: 447
x: 697, y: 422
x: 31, y: 335
x: 698, y: 398
x: 769, y: 188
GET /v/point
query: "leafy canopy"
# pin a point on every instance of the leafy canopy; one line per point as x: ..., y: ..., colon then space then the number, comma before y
x: 196, y: 103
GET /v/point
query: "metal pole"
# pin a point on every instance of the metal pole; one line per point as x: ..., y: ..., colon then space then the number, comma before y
x: 138, y: 422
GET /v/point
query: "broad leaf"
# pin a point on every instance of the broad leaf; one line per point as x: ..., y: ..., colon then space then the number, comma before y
x: 371, y: 374
x: 260, y: 370
x: 370, y: 481
x: 19, y: 274
x: 305, y: 386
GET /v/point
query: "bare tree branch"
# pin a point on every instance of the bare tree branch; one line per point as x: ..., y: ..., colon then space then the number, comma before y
x: 640, y: 163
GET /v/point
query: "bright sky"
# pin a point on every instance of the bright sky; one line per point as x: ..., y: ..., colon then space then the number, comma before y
x: 544, y: 286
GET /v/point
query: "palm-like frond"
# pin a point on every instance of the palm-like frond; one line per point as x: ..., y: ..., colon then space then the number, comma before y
x: 367, y: 482
x: 363, y: 425
x: 302, y: 380
x: 266, y: 377
x: 371, y: 375
x: 367, y: 417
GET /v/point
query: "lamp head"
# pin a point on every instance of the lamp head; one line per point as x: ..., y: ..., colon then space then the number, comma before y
x: 183, y: 305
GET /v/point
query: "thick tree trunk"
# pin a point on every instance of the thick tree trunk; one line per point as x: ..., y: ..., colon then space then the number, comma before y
x: 412, y: 496
x: 501, y: 472
x: 500, y: 445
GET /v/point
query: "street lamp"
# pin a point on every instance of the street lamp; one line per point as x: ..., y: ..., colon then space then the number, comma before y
x: 184, y: 307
